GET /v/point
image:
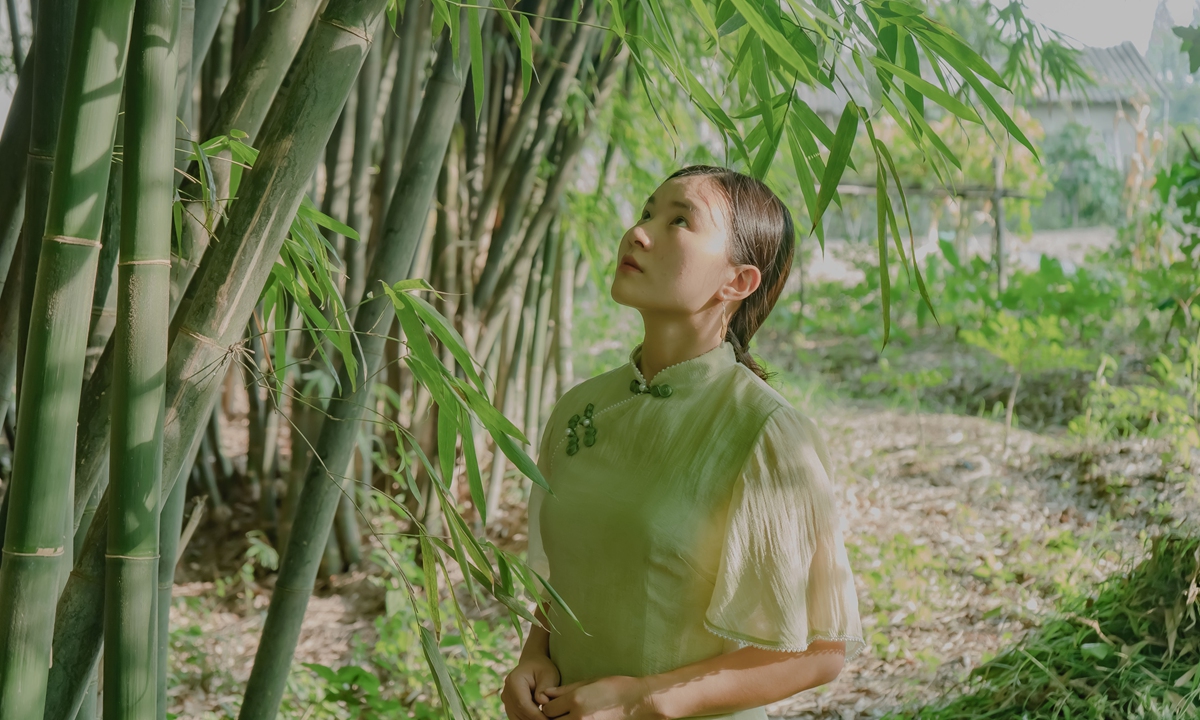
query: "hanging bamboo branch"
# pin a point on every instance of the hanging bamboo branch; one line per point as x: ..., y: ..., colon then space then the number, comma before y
x: 407, y: 216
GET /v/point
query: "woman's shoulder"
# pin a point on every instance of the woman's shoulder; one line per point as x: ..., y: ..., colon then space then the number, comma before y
x: 779, y: 417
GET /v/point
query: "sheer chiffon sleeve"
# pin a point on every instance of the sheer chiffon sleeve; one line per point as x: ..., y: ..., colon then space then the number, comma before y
x: 784, y: 578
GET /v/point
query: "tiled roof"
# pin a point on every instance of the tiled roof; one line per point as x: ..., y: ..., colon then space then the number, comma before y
x: 1119, y: 72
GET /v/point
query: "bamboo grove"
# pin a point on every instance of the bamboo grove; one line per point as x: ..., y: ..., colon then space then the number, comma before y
x: 357, y: 209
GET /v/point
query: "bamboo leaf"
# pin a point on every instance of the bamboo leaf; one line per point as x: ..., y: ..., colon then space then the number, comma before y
x: 805, y: 178
x: 839, y: 153
x: 447, y: 437
x: 475, y: 39
x: 959, y: 55
x: 931, y: 91
x: 308, y: 211
x: 1000, y: 114
x: 813, y: 122
x: 706, y: 20
x: 912, y: 63
x: 526, y: 43
x: 447, y: 690
x: 429, y: 565
x: 772, y: 38
x: 885, y: 278
x: 449, y: 335
x: 474, y: 477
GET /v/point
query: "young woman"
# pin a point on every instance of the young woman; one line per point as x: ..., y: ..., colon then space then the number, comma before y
x: 693, y: 529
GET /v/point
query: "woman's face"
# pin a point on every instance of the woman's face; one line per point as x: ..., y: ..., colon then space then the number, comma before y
x: 680, y: 243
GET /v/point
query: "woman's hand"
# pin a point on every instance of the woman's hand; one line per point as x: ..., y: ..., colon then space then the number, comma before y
x: 525, y: 687
x: 618, y: 697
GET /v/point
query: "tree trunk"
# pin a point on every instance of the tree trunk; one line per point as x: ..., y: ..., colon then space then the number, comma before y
x: 406, y: 220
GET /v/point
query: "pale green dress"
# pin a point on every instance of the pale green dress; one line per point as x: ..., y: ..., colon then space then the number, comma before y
x: 701, y: 519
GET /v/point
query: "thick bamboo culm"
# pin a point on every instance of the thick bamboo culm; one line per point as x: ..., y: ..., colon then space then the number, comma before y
x: 55, y: 22
x: 37, y: 532
x: 275, y: 41
x: 215, y: 313
x: 131, y: 643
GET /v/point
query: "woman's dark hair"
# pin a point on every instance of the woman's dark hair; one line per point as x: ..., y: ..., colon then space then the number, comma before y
x: 761, y: 234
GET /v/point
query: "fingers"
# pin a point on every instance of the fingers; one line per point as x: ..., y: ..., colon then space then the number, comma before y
x: 562, y: 689
x: 518, y: 701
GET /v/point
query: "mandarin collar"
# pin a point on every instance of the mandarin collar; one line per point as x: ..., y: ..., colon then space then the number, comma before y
x: 690, y: 372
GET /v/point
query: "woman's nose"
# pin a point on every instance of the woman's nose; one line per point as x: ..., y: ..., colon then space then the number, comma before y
x: 638, y: 236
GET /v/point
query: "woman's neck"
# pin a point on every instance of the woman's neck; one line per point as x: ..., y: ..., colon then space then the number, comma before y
x: 671, y: 341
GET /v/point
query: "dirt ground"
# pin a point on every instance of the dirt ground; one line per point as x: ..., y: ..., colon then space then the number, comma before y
x: 959, y: 546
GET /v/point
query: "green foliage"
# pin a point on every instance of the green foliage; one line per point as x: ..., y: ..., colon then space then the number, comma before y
x: 395, y: 678
x: 305, y: 275
x: 1089, y: 189
x: 912, y: 383
x: 1164, y: 408
x: 1028, y: 345
x: 1131, y: 650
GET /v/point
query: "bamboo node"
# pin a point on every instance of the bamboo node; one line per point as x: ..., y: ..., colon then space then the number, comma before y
x: 145, y: 262
x: 41, y: 552
x: 357, y: 32
x: 147, y: 558
x: 68, y: 240
x: 202, y: 338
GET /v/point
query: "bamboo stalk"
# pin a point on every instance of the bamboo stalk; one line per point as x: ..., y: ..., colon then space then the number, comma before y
x: 36, y: 533
x: 104, y: 295
x: 14, y: 155
x: 169, y: 547
x: 407, y: 216
x: 139, y: 388
x: 551, y: 111
x: 564, y: 368
x: 537, y: 357
x: 55, y: 22
x: 14, y: 31
x: 9, y: 299
x: 236, y: 271
x: 359, y: 200
x: 242, y: 107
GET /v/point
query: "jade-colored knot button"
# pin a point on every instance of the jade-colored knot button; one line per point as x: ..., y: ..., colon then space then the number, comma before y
x: 660, y: 390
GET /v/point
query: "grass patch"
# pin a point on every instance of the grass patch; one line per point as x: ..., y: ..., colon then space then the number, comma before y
x: 1130, y: 651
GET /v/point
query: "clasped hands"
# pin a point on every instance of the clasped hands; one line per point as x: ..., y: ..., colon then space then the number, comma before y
x: 617, y: 697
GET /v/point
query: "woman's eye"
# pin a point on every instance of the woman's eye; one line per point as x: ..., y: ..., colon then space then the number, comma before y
x: 680, y: 218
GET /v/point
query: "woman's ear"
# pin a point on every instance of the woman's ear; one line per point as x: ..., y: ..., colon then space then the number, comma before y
x: 744, y: 282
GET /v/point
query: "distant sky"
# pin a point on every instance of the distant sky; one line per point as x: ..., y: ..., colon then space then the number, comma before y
x: 1103, y: 23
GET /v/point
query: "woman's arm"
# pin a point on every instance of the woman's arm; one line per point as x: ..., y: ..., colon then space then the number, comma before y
x: 746, y: 678
x: 538, y: 642
x: 743, y: 679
